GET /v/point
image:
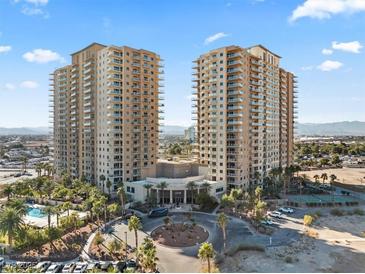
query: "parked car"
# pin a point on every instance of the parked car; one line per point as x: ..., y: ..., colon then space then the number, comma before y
x: 80, y: 267
x: 42, y: 266
x: 105, y: 265
x: 55, y: 268
x: 131, y: 264
x: 69, y: 268
x: 2, y: 262
x: 120, y: 266
x: 92, y: 266
x: 267, y: 222
x: 275, y: 214
x: 158, y: 212
x: 286, y: 209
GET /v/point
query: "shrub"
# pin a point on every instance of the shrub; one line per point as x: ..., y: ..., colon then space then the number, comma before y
x: 336, y: 212
x: 245, y: 246
x: 359, y: 211
x: 308, y: 220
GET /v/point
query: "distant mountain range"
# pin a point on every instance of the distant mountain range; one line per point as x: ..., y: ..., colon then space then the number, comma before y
x: 24, y: 131
x: 354, y: 128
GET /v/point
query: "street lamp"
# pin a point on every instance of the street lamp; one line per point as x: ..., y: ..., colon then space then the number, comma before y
x: 126, y: 245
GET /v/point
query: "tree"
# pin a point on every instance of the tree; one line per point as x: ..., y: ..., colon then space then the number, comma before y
x: 102, y: 179
x: 38, y: 169
x: 49, y: 211
x: 99, y: 239
x: 148, y: 189
x: 258, y: 193
x: 222, y: 221
x: 134, y: 224
x: 114, y: 246
x: 8, y: 191
x: 19, y: 205
x: 10, y: 223
x: 24, y: 162
x: 121, y: 195
x: 162, y: 187
x: 227, y: 201
x: 206, y: 253
x: 206, y: 186
x: 66, y: 206
x: 108, y: 185
x: 335, y: 159
x: 191, y: 186
x: 333, y: 177
x: 113, y: 209
x: 316, y: 178
x: 147, y: 256
x: 308, y: 220
x: 260, y: 207
x: 324, y: 177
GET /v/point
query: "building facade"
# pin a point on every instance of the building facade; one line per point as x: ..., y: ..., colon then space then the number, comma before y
x: 245, y: 110
x: 106, y: 111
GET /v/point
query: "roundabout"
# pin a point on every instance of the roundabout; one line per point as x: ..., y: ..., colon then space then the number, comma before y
x: 180, y: 235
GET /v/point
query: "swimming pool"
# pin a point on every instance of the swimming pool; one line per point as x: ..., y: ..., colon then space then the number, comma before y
x: 35, y: 212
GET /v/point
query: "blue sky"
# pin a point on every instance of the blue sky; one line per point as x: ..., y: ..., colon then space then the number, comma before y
x: 320, y: 41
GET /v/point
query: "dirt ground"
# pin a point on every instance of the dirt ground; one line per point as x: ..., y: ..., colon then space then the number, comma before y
x: 180, y: 235
x: 353, y: 176
x: 338, y: 247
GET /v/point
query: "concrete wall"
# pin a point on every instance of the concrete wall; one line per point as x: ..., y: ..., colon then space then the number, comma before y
x: 177, y: 170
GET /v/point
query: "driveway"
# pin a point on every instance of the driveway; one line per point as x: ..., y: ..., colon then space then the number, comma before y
x: 185, y: 259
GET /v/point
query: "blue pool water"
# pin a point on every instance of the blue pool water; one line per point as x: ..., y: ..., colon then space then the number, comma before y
x: 35, y: 212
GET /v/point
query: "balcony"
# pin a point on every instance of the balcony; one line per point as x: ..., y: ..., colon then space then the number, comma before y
x: 234, y: 63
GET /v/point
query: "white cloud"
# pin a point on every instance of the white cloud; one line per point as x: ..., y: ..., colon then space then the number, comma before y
x: 42, y: 56
x: 214, y: 37
x: 327, y: 51
x: 29, y: 84
x: 37, y: 2
x: 9, y: 86
x: 324, y: 9
x: 306, y: 68
x: 329, y: 65
x: 5, y: 49
x: 353, y: 46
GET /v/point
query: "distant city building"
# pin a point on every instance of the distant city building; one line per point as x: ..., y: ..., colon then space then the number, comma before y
x: 245, y: 114
x: 189, y: 134
x: 106, y: 114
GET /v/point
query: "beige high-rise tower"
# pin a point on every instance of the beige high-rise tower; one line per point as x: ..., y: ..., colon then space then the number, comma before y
x: 106, y: 114
x: 245, y: 114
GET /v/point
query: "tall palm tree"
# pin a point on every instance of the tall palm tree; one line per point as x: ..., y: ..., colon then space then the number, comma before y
x: 38, y: 169
x: 108, y: 185
x: 19, y: 205
x: 24, y: 162
x: 121, y: 195
x: 148, y: 189
x: 316, y: 178
x: 324, y: 177
x: 147, y: 256
x: 206, y: 186
x: 191, y: 186
x: 162, y: 187
x: 10, y: 223
x: 222, y: 221
x: 102, y: 179
x: 8, y: 191
x: 49, y: 210
x: 206, y: 253
x: 134, y: 224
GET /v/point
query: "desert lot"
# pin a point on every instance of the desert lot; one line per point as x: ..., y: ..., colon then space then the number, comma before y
x: 354, y: 176
x: 334, y: 244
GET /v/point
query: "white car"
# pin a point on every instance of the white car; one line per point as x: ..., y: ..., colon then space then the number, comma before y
x: 68, y: 268
x: 286, y: 209
x: 2, y: 262
x: 54, y: 268
x: 80, y: 267
x: 267, y: 222
x: 275, y: 214
x: 42, y: 266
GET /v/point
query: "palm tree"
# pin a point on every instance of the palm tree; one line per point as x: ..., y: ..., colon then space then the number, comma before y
x: 206, y: 186
x: 38, y: 169
x: 134, y: 224
x: 108, y: 185
x: 19, y: 205
x: 10, y: 223
x: 103, y: 200
x: 206, y: 253
x: 222, y: 221
x: 113, y: 209
x: 162, y: 187
x: 333, y: 177
x: 102, y: 179
x: 316, y: 178
x: 8, y: 191
x: 191, y: 186
x: 324, y: 177
x: 99, y: 239
x: 147, y: 256
x: 49, y: 210
x: 25, y: 162
x: 58, y: 210
x: 148, y: 188
x: 67, y: 206
x: 258, y: 193
x: 121, y: 195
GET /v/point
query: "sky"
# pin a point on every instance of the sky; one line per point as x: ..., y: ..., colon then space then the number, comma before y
x: 321, y: 41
